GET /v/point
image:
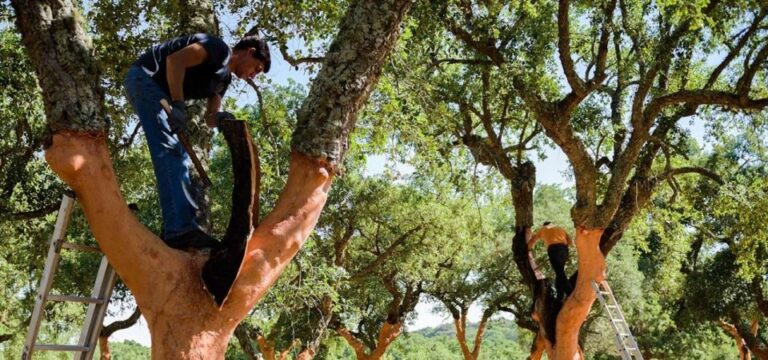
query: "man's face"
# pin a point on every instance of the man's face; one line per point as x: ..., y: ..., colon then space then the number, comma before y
x: 248, y: 66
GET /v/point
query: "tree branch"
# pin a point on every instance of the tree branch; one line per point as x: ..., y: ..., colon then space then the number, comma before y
x: 295, y: 62
x: 692, y: 169
x: 110, y: 329
x: 702, y: 97
x: 564, y: 47
x: 32, y: 214
x: 384, y: 255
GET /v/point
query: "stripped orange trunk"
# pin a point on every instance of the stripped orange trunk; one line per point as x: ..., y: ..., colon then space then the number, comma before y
x: 387, y: 335
x: 461, y: 336
x: 744, y: 353
x: 540, y: 347
x: 177, y: 294
x: 578, y: 304
x: 104, y: 353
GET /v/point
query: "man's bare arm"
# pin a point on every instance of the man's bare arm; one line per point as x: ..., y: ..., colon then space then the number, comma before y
x: 568, y: 239
x: 177, y: 64
x: 532, y: 242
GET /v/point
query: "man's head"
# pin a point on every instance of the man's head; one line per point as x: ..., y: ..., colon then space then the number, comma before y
x: 546, y: 223
x: 250, y: 56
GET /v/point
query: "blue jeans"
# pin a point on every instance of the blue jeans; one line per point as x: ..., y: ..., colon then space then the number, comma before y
x: 169, y: 159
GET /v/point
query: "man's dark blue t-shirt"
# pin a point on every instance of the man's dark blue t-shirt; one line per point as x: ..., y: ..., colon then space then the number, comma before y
x: 200, y: 81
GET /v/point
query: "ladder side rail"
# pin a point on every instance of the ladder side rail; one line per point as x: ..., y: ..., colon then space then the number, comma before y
x: 51, y: 264
x: 623, y: 333
x: 89, y: 336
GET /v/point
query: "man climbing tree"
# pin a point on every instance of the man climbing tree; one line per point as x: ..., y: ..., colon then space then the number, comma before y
x: 166, y: 283
x: 557, y: 241
x: 198, y: 66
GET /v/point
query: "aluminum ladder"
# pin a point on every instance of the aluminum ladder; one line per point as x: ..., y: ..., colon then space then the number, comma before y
x: 625, y: 342
x: 97, y: 303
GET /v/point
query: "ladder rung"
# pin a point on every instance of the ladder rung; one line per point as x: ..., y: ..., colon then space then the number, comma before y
x: 80, y: 247
x: 75, y: 348
x: 71, y: 298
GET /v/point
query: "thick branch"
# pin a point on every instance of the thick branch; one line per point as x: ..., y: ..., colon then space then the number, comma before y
x: 32, y: 214
x: 62, y: 64
x: 695, y: 170
x: 353, y: 342
x: 110, y: 329
x: 295, y: 62
x: 351, y: 69
x: 564, y: 47
x: 702, y: 97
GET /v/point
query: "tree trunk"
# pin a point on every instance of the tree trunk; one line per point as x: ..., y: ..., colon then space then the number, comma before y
x: 541, y: 346
x: 245, y: 334
x: 166, y: 283
x: 461, y: 335
x: 388, y: 333
x: 267, y: 348
x: 104, y: 353
x: 741, y: 346
x: 306, y: 354
x: 578, y: 304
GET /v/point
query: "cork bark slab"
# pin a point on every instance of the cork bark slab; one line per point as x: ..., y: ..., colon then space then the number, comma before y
x: 223, y: 267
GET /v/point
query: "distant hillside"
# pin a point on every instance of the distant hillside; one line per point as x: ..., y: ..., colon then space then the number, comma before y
x: 498, y: 328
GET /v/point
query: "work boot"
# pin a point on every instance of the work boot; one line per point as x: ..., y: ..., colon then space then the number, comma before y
x: 195, y: 239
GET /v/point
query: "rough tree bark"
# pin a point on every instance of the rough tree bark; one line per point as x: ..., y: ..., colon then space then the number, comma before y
x: 166, y: 283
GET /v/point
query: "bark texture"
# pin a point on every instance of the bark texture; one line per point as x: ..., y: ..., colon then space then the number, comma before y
x: 350, y: 71
x: 60, y: 51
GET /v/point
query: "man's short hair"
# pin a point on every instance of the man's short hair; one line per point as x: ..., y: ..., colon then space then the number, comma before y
x: 262, y: 50
x: 547, y: 223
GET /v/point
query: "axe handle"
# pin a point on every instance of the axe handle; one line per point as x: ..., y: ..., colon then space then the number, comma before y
x: 185, y: 143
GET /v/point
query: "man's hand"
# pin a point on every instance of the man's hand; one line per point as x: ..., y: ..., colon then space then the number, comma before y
x: 177, y: 118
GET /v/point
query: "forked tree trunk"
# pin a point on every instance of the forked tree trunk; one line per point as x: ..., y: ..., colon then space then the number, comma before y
x: 461, y: 336
x: 540, y: 347
x: 387, y: 335
x: 577, y: 305
x: 268, y: 350
x: 183, y: 319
